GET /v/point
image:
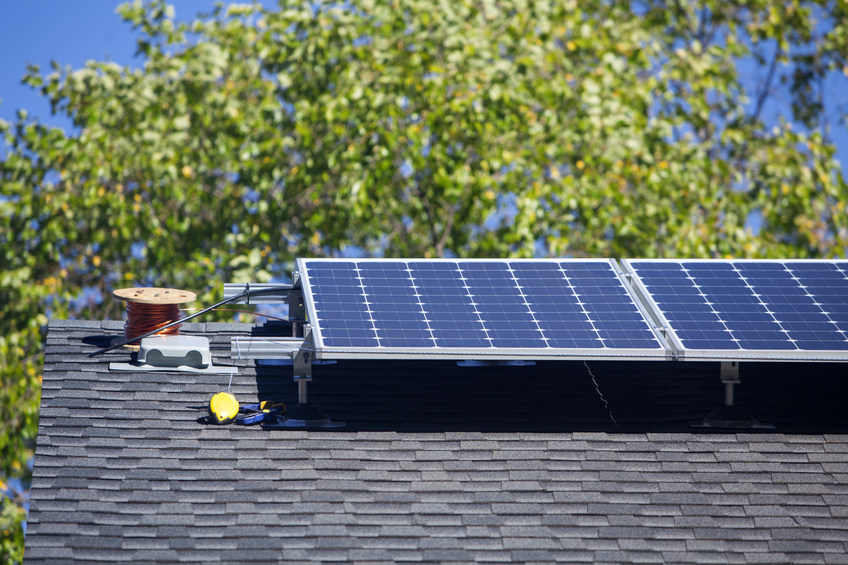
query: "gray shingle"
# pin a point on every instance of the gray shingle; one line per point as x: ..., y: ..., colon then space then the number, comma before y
x: 124, y: 470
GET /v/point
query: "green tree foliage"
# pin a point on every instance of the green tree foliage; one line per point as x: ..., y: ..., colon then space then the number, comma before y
x: 408, y: 128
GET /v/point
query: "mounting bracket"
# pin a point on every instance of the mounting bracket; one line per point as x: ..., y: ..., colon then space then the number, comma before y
x: 302, y: 362
x: 299, y: 348
x: 304, y: 415
x: 301, y: 351
x: 730, y: 416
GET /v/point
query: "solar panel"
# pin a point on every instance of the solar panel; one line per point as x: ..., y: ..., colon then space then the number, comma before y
x: 475, y: 309
x: 748, y: 309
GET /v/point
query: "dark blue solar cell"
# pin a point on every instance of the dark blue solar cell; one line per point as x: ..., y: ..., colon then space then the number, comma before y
x: 394, y: 306
x: 696, y: 326
x: 625, y: 316
x: 741, y: 316
x: 357, y: 342
x: 559, y: 317
x: 503, y: 311
x: 607, y: 306
x: 448, y: 304
x: 812, y: 315
x: 768, y: 344
x: 709, y: 343
x: 339, y: 305
x: 696, y: 315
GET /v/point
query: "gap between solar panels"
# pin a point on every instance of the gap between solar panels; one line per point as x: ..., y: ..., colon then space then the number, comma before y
x: 559, y: 309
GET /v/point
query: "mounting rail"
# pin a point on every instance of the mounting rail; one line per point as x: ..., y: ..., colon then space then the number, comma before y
x: 283, y: 295
x: 265, y: 347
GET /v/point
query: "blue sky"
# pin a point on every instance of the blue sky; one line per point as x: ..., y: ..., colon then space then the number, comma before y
x: 38, y: 31
x: 71, y: 33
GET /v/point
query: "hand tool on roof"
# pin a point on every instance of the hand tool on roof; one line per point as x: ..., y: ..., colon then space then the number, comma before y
x: 223, y: 408
x: 256, y: 413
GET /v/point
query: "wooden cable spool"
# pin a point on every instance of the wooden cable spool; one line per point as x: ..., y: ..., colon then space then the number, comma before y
x: 149, y: 308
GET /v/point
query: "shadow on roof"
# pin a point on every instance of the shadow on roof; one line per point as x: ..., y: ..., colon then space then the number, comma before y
x: 439, y: 396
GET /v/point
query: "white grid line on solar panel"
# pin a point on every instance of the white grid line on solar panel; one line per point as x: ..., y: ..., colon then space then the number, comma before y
x: 828, y: 315
x: 709, y: 304
x: 844, y: 332
x: 419, y: 296
x: 799, y: 289
x: 527, y: 304
x: 501, y: 320
x: 786, y: 318
x: 474, y: 304
x: 367, y: 304
x: 581, y: 304
x: 765, y: 306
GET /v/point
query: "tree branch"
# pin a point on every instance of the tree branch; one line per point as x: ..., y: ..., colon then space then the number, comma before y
x: 440, y: 246
x: 761, y: 99
x: 685, y: 16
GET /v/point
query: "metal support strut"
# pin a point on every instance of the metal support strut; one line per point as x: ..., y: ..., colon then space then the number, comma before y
x: 304, y: 415
x: 729, y: 416
x: 301, y: 391
x: 730, y: 378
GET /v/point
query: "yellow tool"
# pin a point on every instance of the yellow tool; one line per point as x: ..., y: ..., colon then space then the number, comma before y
x: 223, y: 408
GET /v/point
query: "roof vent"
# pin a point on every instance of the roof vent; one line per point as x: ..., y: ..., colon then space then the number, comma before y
x: 175, y: 351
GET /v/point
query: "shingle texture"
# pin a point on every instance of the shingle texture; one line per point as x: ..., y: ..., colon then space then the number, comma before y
x: 438, y: 464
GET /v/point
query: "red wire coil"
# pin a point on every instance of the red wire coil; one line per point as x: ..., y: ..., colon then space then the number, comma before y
x: 144, y: 318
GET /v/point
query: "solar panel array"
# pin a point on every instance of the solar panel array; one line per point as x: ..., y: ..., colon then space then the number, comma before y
x: 523, y: 308
x: 738, y: 308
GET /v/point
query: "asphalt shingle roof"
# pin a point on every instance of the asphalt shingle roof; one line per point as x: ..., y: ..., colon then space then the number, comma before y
x: 438, y: 463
